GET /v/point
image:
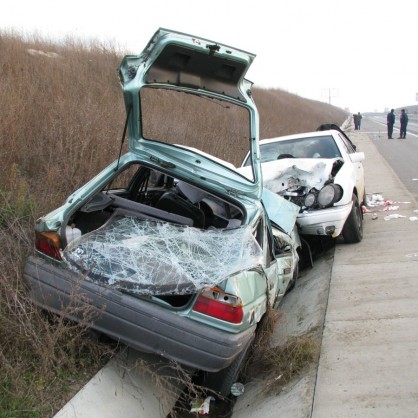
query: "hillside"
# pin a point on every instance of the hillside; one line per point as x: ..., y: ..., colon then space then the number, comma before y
x: 61, y: 121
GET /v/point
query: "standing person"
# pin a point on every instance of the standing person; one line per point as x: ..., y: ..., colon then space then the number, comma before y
x: 404, y: 123
x: 355, y: 121
x: 358, y: 120
x: 390, y: 122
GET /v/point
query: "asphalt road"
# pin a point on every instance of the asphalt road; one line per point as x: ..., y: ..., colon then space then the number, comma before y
x: 401, y: 154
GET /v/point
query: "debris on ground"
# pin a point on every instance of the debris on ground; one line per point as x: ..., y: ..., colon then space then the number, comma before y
x: 201, y: 406
x: 376, y: 200
x: 393, y: 216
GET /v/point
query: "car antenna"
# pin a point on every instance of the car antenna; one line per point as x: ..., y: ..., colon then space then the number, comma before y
x: 123, y: 136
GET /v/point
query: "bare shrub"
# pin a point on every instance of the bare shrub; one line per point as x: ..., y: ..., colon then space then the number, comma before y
x: 43, y: 357
x: 282, y: 113
x: 50, y: 133
x: 276, y: 366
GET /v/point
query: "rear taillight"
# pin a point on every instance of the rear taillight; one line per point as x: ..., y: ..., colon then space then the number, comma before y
x: 218, y: 304
x: 48, y: 243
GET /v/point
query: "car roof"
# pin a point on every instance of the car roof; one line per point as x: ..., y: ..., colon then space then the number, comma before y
x: 300, y: 135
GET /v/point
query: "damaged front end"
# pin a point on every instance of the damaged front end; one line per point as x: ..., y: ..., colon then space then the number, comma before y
x: 308, y: 183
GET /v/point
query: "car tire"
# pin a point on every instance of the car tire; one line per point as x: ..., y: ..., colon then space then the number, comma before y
x: 222, y: 381
x: 295, y: 276
x: 353, y: 227
x: 364, y: 203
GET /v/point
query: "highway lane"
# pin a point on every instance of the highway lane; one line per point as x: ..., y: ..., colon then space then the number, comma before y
x: 380, y: 120
x: 401, y: 154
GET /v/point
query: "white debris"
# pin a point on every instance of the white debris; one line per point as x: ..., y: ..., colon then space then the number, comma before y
x: 413, y: 218
x: 202, y: 408
x: 376, y: 199
x: 390, y: 207
x: 393, y: 216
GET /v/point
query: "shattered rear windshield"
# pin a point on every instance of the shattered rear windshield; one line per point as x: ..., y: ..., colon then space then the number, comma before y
x: 147, y: 257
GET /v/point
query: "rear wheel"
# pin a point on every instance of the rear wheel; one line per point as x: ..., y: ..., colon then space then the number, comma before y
x: 222, y: 381
x: 353, y: 227
x: 295, y: 276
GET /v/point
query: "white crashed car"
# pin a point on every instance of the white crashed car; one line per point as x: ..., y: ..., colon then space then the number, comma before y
x: 323, y: 174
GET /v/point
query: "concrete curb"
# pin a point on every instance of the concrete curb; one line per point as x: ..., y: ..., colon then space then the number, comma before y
x: 368, y: 362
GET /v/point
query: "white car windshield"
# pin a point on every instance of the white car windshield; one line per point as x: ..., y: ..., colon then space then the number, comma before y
x: 306, y: 147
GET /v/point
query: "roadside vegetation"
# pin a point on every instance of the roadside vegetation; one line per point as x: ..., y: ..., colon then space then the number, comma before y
x: 277, y: 365
x: 61, y: 122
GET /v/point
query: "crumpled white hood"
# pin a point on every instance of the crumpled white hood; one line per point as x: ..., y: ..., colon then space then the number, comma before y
x: 291, y: 173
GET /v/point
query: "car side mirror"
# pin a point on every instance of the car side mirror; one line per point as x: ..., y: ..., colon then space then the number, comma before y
x: 357, y: 157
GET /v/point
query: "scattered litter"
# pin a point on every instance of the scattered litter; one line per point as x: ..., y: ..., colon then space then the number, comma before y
x: 414, y: 179
x: 393, y: 216
x: 237, y: 389
x: 364, y: 209
x: 376, y: 199
x: 412, y: 255
x: 201, y: 406
x: 413, y: 218
x: 390, y: 207
x: 374, y: 216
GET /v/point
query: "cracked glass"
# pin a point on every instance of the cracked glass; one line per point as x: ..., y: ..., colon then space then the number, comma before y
x: 147, y: 257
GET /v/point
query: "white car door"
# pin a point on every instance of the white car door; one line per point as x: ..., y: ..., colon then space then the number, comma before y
x: 356, y: 159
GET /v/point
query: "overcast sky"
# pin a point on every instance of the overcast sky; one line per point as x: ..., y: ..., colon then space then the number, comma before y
x: 358, y: 54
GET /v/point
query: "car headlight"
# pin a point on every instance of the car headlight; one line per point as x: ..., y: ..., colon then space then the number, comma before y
x: 309, y: 200
x: 329, y: 194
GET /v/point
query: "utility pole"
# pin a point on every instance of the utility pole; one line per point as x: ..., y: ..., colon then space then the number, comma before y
x: 330, y: 92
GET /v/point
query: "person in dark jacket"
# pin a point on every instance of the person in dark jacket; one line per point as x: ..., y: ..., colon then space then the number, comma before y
x: 390, y: 122
x: 404, y: 123
x: 355, y: 121
x: 359, y: 120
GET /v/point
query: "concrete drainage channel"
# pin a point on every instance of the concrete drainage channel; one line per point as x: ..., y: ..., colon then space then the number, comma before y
x: 139, y: 385
x: 303, y: 312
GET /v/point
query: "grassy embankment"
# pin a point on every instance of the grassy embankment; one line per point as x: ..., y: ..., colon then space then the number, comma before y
x: 61, y: 121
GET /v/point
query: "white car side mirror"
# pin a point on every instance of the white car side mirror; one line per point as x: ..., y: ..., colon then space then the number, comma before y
x: 357, y: 157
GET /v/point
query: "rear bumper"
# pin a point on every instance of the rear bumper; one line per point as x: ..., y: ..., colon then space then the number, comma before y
x: 140, y: 324
x: 316, y: 222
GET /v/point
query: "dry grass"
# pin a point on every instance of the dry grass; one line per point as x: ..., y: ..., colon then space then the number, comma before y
x: 276, y: 366
x: 61, y: 121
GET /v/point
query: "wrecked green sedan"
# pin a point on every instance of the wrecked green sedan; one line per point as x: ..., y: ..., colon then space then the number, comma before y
x: 170, y: 243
